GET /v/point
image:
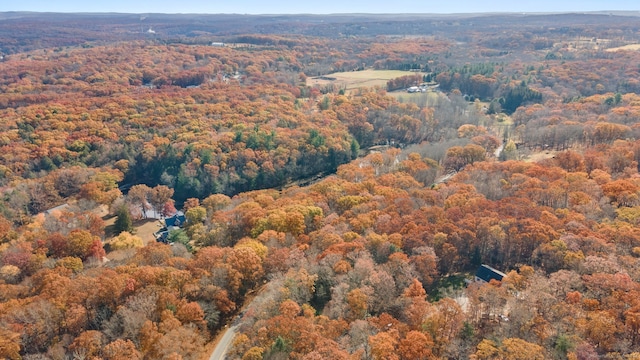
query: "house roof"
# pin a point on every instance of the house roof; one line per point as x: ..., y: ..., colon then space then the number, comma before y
x: 176, y: 220
x: 487, y: 273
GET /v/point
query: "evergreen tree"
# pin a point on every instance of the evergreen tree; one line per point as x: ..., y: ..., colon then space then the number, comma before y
x: 123, y: 221
x: 181, y: 237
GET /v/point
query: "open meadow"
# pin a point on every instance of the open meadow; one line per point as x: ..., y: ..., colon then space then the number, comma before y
x: 357, y: 79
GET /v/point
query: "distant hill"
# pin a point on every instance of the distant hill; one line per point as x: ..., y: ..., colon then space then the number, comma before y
x: 24, y: 31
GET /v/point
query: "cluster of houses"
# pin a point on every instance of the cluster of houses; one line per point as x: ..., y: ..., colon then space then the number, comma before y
x: 422, y: 88
x: 415, y: 89
x: 171, y: 223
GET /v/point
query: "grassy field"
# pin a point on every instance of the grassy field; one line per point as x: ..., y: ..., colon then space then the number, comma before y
x: 143, y: 228
x: 419, y: 98
x: 626, y: 47
x: 356, y: 79
x: 539, y: 156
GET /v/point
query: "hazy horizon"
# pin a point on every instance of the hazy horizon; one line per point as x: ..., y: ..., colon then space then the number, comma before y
x: 327, y: 7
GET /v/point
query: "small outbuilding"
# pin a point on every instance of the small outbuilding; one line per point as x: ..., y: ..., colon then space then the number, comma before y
x: 58, y: 208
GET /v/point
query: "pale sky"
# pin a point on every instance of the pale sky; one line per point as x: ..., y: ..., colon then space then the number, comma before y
x: 315, y: 6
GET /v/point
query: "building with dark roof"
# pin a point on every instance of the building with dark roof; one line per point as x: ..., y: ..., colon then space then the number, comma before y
x: 486, y: 273
x: 176, y: 220
x: 162, y: 235
x: 171, y: 223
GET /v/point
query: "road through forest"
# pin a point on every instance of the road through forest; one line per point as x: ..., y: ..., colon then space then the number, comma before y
x: 220, y: 351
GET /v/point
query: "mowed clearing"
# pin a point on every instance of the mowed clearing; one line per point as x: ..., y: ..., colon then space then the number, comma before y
x: 144, y: 228
x: 632, y: 47
x: 357, y: 79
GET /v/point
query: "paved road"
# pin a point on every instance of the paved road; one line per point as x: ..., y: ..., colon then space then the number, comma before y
x: 220, y: 352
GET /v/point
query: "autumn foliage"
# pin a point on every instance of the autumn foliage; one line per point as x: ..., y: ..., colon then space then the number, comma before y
x: 327, y: 223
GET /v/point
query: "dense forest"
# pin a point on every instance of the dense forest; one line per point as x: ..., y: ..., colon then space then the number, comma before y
x: 325, y: 221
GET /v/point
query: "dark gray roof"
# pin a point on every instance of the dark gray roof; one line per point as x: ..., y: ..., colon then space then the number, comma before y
x: 176, y: 220
x: 162, y: 236
x: 487, y: 273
